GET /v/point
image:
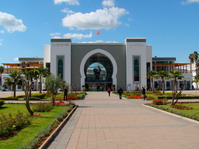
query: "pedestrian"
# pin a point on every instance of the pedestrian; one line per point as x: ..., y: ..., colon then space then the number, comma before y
x: 143, y: 93
x: 65, y: 93
x: 120, y: 91
x: 109, y: 91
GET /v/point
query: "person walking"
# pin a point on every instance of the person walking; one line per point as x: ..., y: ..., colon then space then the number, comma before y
x: 143, y: 93
x: 65, y: 93
x: 120, y: 91
x: 109, y: 91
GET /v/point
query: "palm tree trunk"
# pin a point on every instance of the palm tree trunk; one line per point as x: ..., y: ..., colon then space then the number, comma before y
x: 152, y: 85
x: 14, y: 90
x: 40, y: 84
x: 163, y: 86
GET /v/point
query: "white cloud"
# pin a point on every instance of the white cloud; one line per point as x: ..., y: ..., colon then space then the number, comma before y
x: 106, y: 18
x: 2, y: 31
x: 55, y: 34
x: 108, y: 3
x: 11, y: 23
x: 70, y: 2
x: 78, y: 36
x: 190, y: 1
x: 66, y: 10
x: 16, y: 59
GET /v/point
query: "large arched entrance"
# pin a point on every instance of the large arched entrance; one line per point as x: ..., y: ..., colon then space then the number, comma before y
x: 98, y: 70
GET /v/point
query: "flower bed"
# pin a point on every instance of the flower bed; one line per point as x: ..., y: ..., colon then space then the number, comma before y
x: 159, y: 102
x: 68, y: 98
x: 62, y: 103
x: 150, y: 98
x: 134, y: 97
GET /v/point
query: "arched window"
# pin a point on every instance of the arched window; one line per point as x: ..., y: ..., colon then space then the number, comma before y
x: 136, y: 68
x: 60, y: 66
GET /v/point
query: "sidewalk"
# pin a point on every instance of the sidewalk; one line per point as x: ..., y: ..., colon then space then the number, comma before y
x: 103, y: 122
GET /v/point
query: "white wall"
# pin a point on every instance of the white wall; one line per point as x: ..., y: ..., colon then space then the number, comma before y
x: 47, y: 53
x: 61, y: 49
x: 145, y: 53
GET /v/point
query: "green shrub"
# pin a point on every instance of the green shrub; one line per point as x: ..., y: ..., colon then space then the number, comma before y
x: 34, y: 98
x: 42, y: 107
x: 10, y: 123
x: 20, y: 96
x: 9, y: 98
x: 39, y: 95
x: 1, y: 102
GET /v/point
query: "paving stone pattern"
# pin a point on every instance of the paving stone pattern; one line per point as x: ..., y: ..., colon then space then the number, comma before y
x: 103, y: 122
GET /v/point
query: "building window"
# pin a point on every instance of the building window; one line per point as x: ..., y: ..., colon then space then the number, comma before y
x: 148, y: 66
x: 48, y: 66
x: 136, y: 62
x: 60, y: 66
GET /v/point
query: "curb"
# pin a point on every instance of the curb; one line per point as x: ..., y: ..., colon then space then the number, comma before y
x: 57, y: 130
x: 172, y: 114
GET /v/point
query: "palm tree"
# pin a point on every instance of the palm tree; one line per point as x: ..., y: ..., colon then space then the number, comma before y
x: 32, y: 75
x: 150, y: 75
x: 14, y: 80
x: 42, y: 72
x: 193, y: 56
x: 1, y: 72
x: 162, y: 75
x: 175, y: 75
x: 52, y: 84
x: 196, y: 80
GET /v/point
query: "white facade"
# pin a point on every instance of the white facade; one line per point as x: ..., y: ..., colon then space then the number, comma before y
x: 144, y: 52
x: 60, y: 49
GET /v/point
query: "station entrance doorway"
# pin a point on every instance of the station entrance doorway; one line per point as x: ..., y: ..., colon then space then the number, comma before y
x: 98, y: 70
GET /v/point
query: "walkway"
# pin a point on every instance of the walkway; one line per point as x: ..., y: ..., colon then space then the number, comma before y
x: 103, y: 122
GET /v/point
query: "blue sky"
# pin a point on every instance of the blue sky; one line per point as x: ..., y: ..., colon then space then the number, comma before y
x: 170, y: 26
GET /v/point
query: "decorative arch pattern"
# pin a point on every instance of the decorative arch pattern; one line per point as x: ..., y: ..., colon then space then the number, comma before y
x: 88, y: 55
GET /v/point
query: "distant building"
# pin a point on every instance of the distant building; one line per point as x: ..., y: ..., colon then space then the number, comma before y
x: 24, y: 64
x: 169, y: 64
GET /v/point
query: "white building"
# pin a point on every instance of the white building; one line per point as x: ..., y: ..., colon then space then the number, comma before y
x: 122, y: 65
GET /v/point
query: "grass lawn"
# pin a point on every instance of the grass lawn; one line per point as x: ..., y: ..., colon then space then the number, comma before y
x: 193, y: 114
x: 26, y: 135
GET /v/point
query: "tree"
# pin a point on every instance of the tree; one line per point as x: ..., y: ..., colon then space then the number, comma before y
x: 13, y: 80
x: 1, y: 72
x: 42, y: 72
x: 32, y: 75
x: 151, y: 75
x: 64, y: 85
x: 175, y: 75
x: 27, y: 85
x: 196, y: 80
x: 52, y: 84
x: 193, y: 56
x: 162, y: 75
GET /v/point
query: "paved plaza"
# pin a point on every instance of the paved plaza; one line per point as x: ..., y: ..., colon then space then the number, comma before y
x: 103, y: 122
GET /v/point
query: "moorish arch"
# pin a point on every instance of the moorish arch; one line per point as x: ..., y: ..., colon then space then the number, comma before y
x: 102, y: 53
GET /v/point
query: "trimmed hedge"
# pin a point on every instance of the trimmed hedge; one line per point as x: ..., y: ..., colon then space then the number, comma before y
x: 183, y: 97
x: 9, y: 98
